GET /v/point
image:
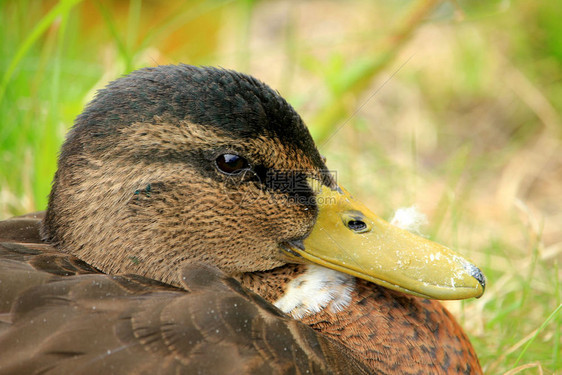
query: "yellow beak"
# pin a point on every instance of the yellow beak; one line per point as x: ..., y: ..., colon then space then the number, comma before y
x: 348, y: 237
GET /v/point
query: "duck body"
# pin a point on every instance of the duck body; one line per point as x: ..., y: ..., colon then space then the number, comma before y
x: 170, y: 245
x: 69, y: 318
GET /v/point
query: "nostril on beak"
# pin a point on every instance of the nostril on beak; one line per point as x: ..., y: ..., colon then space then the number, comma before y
x: 356, y: 225
x: 355, y: 221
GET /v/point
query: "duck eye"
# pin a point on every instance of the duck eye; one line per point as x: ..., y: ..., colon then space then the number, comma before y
x: 231, y: 164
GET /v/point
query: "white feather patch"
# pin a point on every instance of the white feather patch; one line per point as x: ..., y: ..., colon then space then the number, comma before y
x: 314, y: 290
x: 409, y: 218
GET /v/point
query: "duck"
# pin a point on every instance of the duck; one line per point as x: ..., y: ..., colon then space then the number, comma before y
x: 193, y: 227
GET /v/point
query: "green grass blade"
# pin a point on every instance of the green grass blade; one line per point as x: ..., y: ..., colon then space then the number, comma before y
x: 63, y: 7
x: 121, y: 47
x: 541, y: 328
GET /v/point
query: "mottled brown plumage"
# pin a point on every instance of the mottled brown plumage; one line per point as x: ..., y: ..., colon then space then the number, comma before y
x: 68, y: 317
x: 156, y: 254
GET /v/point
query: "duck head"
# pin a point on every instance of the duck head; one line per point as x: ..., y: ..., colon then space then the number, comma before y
x: 176, y: 164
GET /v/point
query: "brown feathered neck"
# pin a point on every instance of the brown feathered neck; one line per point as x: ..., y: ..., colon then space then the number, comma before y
x: 377, y: 321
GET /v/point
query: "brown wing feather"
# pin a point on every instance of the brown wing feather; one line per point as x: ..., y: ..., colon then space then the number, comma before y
x: 59, y: 315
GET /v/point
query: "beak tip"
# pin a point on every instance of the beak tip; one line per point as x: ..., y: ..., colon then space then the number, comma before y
x: 477, y: 274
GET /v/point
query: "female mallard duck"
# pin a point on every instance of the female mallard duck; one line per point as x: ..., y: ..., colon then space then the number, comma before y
x: 187, y: 204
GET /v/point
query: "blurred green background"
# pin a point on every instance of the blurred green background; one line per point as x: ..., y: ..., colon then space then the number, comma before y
x: 454, y: 106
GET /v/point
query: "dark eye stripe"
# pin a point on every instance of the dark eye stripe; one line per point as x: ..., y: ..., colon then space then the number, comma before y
x: 231, y: 163
x: 292, y: 184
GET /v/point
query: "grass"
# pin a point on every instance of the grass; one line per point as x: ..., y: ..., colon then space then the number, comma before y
x: 454, y: 107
